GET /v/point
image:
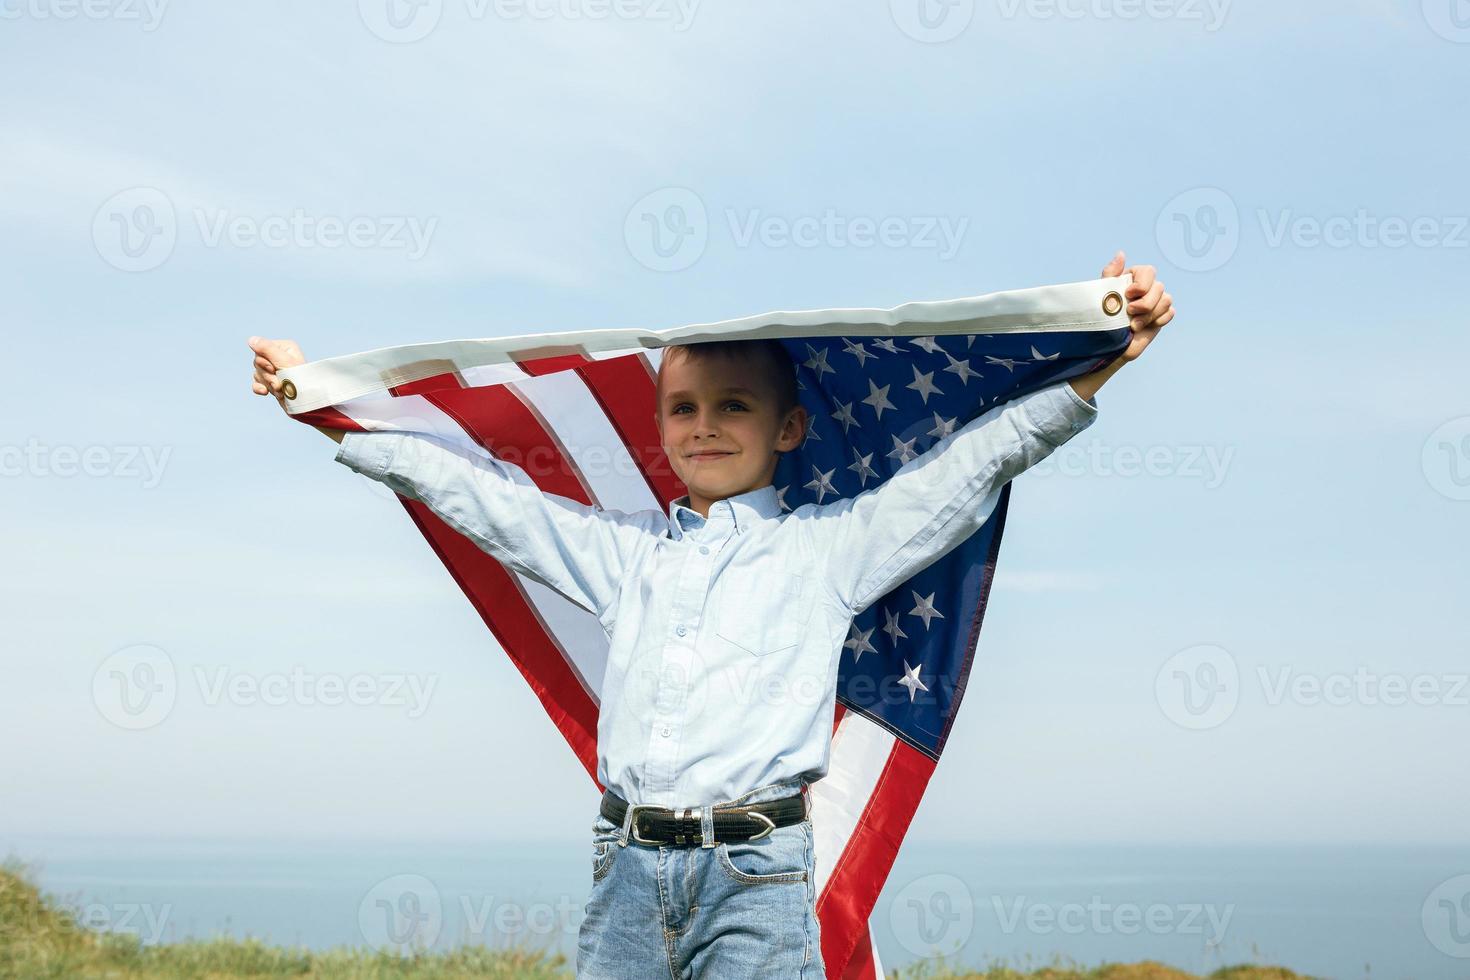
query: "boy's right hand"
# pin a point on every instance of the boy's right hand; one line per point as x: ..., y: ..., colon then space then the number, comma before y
x: 272, y: 356
x: 277, y: 355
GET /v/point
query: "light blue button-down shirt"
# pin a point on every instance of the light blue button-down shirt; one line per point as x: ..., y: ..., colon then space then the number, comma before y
x: 725, y: 633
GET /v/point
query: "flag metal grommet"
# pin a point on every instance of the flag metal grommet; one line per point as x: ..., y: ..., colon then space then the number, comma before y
x: 1113, y: 303
x: 288, y: 388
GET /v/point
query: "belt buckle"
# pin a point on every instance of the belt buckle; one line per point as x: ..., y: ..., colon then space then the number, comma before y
x: 757, y: 815
x: 633, y: 821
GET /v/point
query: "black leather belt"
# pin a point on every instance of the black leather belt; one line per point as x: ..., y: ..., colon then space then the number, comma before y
x: 661, y: 825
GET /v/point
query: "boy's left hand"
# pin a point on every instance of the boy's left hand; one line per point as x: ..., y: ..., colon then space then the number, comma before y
x: 1149, y: 307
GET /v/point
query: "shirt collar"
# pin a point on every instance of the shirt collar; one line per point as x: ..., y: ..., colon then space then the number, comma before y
x: 743, y: 510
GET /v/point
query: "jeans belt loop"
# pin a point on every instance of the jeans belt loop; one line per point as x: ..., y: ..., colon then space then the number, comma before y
x: 707, y: 825
x: 627, y: 821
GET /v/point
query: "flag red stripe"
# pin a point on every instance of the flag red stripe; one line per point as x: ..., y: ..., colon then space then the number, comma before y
x: 860, y: 966
x: 496, y: 596
x: 625, y: 389
x: 853, y: 887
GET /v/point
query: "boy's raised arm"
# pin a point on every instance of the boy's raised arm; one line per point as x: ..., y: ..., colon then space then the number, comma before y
x: 870, y: 543
x: 580, y: 551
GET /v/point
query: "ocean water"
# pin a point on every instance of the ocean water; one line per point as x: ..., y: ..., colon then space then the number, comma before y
x: 1336, y: 912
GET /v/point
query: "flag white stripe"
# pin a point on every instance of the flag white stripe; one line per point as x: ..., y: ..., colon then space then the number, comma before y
x: 860, y: 751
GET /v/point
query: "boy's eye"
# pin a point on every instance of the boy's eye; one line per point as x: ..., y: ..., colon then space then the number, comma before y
x: 680, y: 407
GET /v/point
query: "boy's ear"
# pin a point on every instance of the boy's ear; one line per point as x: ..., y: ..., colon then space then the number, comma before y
x: 795, y: 427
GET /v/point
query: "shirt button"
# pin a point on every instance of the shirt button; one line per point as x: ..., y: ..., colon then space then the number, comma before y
x: 681, y: 631
x: 665, y: 732
x: 703, y: 550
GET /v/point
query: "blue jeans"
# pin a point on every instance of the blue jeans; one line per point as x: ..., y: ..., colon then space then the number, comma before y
x: 727, y: 911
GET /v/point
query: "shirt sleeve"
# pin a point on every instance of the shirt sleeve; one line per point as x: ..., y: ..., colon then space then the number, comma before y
x: 870, y: 543
x: 581, y: 551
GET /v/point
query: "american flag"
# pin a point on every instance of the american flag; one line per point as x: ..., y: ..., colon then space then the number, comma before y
x: 880, y: 386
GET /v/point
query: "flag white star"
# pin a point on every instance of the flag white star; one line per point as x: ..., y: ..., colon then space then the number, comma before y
x: 970, y: 340
x: 844, y: 414
x: 1037, y: 355
x: 861, y: 467
x: 924, y: 609
x: 856, y: 350
x: 927, y: 344
x: 924, y: 385
x: 886, y: 344
x: 891, y: 627
x: 811, y: 432
x: 818, y: 362
x: 942, y: 426
x: 962, y: 369
x: 857, y: 642
x: 1006, y: 362
x: 911, y: 680
x: 903, y: 451
x: 821, y: 483
x: 878, y: 397
x: 781, y: 497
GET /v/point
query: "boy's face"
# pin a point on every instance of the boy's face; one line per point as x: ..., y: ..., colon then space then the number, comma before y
x: 720, y: 425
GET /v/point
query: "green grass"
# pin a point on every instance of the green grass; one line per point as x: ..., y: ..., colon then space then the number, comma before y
x: 40, y: 940
x: 941, y: 969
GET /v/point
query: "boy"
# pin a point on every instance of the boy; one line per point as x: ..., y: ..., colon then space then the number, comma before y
x: 702, y: 847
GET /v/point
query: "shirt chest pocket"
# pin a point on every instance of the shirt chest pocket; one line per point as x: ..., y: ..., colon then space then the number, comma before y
x: 762, y: 614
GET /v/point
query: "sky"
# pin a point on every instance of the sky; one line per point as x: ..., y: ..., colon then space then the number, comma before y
x: 1230, y: 611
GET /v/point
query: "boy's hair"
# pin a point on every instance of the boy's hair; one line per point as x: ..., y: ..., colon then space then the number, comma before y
x: 775, y: 362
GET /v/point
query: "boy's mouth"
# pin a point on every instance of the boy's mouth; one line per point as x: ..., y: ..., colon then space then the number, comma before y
x: 704, y: 457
